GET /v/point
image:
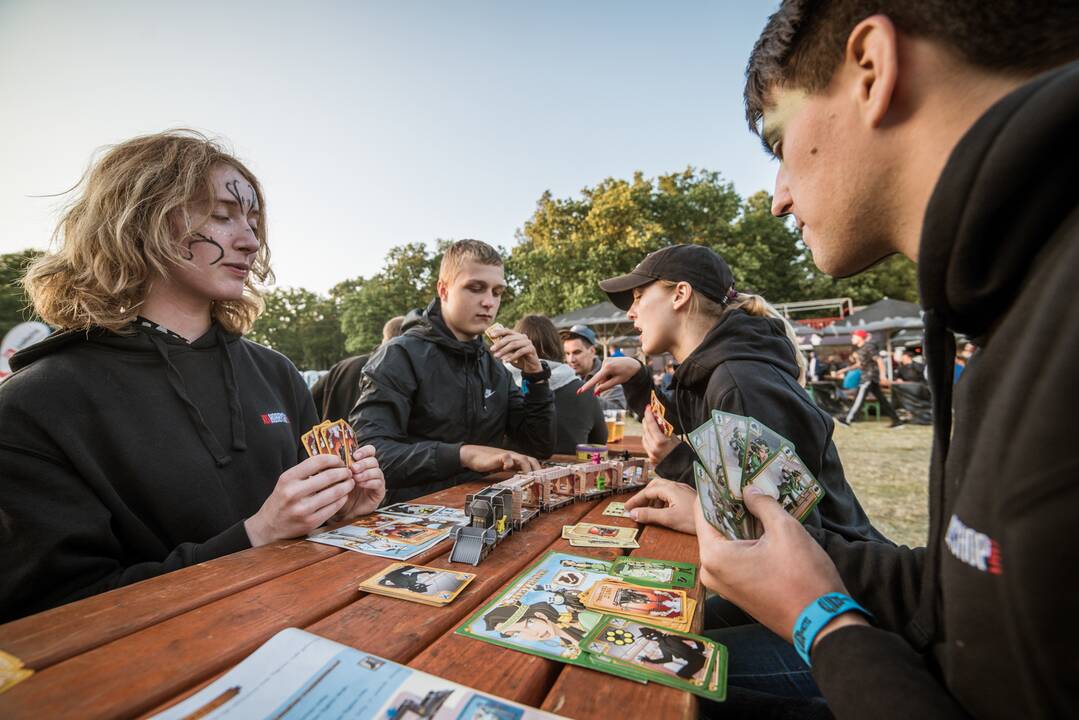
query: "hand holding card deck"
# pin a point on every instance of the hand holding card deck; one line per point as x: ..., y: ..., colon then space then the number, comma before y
x: 659, y: 411
x: 331, y: 438
x: 418, y: 583
x: 735, y: 452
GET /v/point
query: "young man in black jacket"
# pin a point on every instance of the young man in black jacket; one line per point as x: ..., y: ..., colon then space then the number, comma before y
x: 438, y: 404
x: 944, y: 131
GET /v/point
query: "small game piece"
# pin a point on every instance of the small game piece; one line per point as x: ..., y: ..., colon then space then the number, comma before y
x: 495, y: 330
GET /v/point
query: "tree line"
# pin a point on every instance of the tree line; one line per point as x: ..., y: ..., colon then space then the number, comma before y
x: 559, y: 255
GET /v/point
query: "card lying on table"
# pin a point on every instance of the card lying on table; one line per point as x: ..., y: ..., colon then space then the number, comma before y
x: 418, y: 583
x: 735, y: 452
x: 555, y: 609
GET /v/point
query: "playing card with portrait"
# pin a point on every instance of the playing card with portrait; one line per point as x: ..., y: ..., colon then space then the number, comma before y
x: 418, y: 583
x: 676, y: 659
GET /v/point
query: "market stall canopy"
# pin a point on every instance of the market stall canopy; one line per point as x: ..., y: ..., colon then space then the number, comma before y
x: 601, y: 315
x: 883, y: 316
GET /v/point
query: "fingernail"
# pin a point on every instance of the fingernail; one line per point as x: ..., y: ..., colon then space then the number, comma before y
x: 753, y: 490
x: 631, y: 514
x: 596, y: 393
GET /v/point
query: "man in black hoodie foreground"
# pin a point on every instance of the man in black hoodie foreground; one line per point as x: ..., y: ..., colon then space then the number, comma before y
x: 928, y: 130
x: 438, y: 404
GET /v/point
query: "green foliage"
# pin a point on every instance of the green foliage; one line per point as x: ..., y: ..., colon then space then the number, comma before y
x: 303, y: 326
x: 896, y: 278
x: 406, y: 282
x: 566, y: 248
x: 14, y: 305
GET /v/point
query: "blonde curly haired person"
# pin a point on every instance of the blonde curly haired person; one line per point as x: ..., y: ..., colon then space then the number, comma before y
x: 148, y: 434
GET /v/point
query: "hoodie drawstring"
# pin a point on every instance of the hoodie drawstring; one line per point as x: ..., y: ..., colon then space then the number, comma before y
x: 940, y: 363
x: 176, y: 380
x: 236, y: 413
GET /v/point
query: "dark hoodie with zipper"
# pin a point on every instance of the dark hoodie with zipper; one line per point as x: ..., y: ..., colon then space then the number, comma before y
x: 425, y: 394
x: 746, y: 365
x: 126, y: 456
x: 982, y: 623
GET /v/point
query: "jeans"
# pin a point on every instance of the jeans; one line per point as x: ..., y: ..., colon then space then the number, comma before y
x: 765, y: 676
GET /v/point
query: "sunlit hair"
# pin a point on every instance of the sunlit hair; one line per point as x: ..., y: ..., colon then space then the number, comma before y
x: 117, y: 235
x: 752, y: 305
x: 464, y: 251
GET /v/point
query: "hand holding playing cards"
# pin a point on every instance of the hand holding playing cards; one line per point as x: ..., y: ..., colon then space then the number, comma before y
x: 488, y: 459
x: 305, y: 497
x: 656, y: 442
x: 774, y: 577
x: 666, y: 503
x: 614, y: 371
x: 516, y: 349
x: 370, y: 485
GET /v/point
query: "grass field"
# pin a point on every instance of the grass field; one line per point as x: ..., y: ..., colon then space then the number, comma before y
x: 889, y: 471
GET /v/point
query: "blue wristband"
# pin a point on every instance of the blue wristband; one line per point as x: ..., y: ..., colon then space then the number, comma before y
x: 816, y: 615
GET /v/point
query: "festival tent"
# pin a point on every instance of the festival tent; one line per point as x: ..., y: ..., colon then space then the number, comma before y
x: 610, y: 324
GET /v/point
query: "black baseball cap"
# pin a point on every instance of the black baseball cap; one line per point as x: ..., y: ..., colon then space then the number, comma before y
x: 697, y: 265
x: 580, y: 331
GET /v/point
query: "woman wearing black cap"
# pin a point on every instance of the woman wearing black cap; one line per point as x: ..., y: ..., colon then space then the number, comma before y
x: 736, y: 354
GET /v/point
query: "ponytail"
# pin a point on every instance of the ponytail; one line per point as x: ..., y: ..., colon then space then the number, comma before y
x: 758, y: 306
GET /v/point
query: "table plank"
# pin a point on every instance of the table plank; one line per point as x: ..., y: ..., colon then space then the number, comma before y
x: 634, y: 444
x: 139, y: 671
x: 49, y: 637
x: 576, y: 693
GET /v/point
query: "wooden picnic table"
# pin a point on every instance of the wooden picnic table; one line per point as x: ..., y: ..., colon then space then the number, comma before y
x: 141, y: 648
x: 633, y: 444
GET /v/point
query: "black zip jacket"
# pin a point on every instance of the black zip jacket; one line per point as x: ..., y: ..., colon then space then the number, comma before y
x: 746, y: 365
x: 425, y: 394
x: 983, y: 624
x: 127, y: 456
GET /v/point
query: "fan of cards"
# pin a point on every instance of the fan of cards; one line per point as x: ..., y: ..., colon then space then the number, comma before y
x: 589, y: 535
x: 331, y: 438
x: 735, y: 452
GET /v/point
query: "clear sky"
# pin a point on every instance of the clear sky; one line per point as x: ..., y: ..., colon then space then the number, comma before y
x: 372, y: 124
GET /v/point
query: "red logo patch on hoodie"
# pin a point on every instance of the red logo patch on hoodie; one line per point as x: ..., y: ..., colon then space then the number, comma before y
x: 274, y: 418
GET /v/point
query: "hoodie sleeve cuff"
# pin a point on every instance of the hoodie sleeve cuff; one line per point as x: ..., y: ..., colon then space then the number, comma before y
x: 448, y: 459
x: 678, y: 465
x: 232, y: 540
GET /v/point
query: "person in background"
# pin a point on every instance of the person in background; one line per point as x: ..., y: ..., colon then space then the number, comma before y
x: 908, y: 371
x: 667, y: 378
x: 148, y: 434
x: 579, y: 417
x: 867, y: 359
x: 579, y: 346
x: 336, y: 392
x: 439, y: 404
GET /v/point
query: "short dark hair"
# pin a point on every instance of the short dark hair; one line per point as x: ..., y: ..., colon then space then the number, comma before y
x: 804, y: 41
x: 543, y: 334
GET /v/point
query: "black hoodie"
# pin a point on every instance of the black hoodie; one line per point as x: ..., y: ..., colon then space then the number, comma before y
x: 746, y: 365
x: 126, y: 456
x: 983, y: 624
x: 425, y: 394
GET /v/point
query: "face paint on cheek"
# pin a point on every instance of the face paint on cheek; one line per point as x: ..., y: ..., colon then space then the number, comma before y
x: 199, y: 237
